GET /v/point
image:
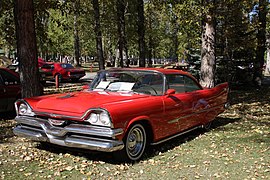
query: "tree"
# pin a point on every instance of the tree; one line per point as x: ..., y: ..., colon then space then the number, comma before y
x: 7, y: 32
x: 208, y: 54
x: 120, y: 9
x: 76, y: 6
x: 261, y: 41
x: 141, y: 31
x: 267, y: 67
x: 98, y: 35
x: 235, y: 40
x: 27, y: 48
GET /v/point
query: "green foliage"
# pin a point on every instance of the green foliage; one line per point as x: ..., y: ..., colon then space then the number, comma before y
x: 60, y: 33
x: 235, y: 34
x: 7, y: 27
x: 172, y: 27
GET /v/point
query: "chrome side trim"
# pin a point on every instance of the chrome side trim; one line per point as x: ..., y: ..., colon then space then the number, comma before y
x: 176, y: 135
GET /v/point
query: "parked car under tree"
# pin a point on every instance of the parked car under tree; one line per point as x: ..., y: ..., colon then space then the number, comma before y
x: 122, y: 111
x: 10, y: 89
x: 44, y: 75
x: 63, y: 71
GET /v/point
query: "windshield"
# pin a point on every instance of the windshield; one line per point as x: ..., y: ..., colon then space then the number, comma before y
x: 131, y: 81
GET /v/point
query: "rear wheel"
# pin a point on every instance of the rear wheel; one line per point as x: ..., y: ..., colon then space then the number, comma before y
x: 135, y: 143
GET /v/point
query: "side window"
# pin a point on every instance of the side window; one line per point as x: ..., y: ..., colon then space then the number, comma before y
x: 156, y: 82
x: 181, y: 83
x: 152, y: 82
x: 190, y: 84
x: 176, y: 82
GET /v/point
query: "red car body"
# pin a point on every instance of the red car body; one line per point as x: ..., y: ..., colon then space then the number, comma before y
x: 41, y: 62
x: 122, y: 111
x: 10, y: 89
x: 63, y: 71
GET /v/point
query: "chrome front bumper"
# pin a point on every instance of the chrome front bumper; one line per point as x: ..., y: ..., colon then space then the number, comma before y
x: 73, y: 135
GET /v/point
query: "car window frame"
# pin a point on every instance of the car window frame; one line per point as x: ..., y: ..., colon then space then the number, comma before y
x: 184, y: 77
x: 162, y: 75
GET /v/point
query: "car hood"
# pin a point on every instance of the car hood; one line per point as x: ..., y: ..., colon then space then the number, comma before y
x: 79, y: 102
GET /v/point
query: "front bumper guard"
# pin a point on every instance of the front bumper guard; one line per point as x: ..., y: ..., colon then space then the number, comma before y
x: 73, y: 135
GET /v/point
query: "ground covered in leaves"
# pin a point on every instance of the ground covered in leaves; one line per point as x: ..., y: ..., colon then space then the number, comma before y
x: 237, y: 147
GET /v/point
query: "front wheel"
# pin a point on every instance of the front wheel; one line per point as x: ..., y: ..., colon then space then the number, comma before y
x: 135, y: 143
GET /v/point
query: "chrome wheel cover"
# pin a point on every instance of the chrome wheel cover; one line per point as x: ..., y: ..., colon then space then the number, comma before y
x: 135, y: 142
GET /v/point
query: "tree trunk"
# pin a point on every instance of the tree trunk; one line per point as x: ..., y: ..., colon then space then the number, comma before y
x: 120, y: 9
x: 208, y: 55
x: 27, y: 48
x: 261, y: 41
x: 150, y: 38
x: 98, y: 35
x: 150, y: 51
x: 267, y: 67
x: 175, y: 36
x: 76, y: 33
x: 141, y: 32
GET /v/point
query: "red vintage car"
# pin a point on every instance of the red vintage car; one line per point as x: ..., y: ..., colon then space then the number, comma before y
x: 10, y: 89
x: 63, y: 71
x: 122, y: 111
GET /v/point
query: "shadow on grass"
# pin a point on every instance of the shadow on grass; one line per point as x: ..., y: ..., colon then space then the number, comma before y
x: 6, y: 126
x: 171, y: 144
x: 151, y: 152
x: 7, y: 115
x: 88, y: 154
x: 250, y: 95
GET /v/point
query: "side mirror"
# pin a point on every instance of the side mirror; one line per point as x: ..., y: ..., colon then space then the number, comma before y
x: 170, y: 92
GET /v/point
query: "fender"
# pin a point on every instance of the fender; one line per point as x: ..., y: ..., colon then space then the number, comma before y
x: 137, y: 119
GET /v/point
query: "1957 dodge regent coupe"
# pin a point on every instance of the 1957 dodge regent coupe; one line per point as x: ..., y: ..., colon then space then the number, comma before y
x: 122, y: 111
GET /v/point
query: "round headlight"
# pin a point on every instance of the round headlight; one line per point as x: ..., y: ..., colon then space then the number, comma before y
x: 23, y: 109
x: 104, y: 118
x: 93, y: 118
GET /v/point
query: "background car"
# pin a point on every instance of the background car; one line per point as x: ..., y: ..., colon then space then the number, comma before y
x: 122, y: 111
x: 10, y: 89
x: 63, y: 71
x: 44, y: 75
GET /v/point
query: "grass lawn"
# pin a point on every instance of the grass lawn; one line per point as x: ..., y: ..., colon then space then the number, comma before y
x: 237, y: 147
